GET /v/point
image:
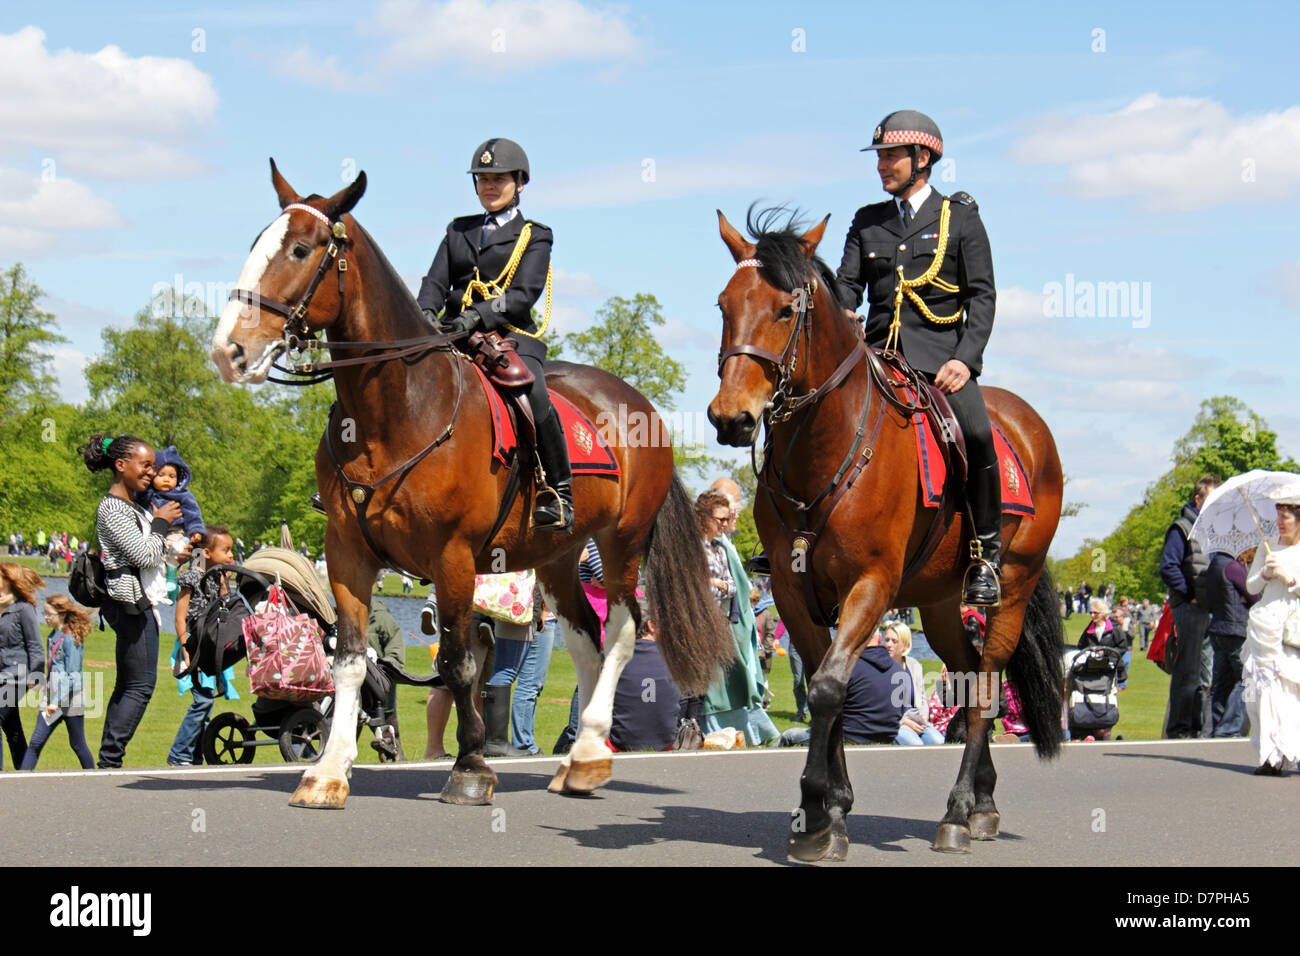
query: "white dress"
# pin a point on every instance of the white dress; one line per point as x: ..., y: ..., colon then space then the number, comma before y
x: 1270, y: 668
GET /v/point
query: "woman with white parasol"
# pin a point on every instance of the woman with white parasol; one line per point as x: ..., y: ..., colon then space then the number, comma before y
x: 1271, y: 655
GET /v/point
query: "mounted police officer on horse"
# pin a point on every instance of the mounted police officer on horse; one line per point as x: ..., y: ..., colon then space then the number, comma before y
x: 487, y: 275
x: 923, y: 262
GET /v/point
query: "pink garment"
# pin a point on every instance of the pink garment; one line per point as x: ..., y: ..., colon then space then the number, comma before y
x: 600, y: 604
x: 1012, y: 723
x: 941, y: 716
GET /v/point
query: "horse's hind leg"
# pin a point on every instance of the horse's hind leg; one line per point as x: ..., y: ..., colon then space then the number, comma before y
x: 324, y: 785
x: 1000, y: 642
x: 944, y: 632
x: 563, y: 593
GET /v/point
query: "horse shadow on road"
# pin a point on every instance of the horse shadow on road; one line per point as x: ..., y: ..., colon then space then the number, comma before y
x: 415, y: 783
x: 762, y: 830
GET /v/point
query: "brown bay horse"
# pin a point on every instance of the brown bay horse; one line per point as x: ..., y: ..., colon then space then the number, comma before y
x: 790, y: 361
x: 412, y: 436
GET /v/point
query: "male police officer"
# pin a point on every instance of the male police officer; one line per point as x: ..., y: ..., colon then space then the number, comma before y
x: 923, y: 260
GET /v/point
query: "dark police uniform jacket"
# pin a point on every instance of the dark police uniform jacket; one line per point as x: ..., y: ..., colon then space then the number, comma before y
x: 453, y: 268
x: 877, y: 244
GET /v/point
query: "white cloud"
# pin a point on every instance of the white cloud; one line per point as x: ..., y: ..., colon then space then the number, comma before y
x: 103, y: 114
x: 521, y: 33
x: 35, y: 211
x: 307, y: 66
x: 1179, y: 153
x: 578, y: 285
x: 69, y: 366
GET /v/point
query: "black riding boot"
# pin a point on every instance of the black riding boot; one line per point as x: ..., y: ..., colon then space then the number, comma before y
x: 496, y: 723
x: 554, y: 511
x: 985, y: 491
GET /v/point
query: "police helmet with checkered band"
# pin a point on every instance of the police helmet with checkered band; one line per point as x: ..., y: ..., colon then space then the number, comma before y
x: 908, y: 128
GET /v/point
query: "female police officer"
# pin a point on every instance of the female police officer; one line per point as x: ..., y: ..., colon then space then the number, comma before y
x: 923, y: 261
x: 488, y: 273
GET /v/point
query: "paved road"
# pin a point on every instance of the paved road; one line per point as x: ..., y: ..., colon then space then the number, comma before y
x: 1170, y: 803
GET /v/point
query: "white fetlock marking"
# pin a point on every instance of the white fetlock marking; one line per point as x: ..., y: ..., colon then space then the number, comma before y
x: 341, y: 748
x: 597, y: 717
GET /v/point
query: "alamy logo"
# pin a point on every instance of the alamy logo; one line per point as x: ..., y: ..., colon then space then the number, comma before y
x: 74, y: 909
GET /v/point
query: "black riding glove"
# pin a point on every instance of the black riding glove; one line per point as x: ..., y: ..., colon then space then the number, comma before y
x: 431, y: 315
x: 464, y: 322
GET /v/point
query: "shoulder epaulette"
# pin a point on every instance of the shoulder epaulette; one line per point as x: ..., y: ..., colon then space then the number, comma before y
x: 965, y: 199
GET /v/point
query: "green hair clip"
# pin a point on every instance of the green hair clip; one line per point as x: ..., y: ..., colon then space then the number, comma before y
x: 107, y: 442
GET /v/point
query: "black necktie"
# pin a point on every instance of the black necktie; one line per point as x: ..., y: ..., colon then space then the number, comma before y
x: 905, y: 213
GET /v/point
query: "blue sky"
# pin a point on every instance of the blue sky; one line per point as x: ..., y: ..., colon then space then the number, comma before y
x: 1153, y: 145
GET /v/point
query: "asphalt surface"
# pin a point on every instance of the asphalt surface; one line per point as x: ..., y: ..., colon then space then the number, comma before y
x: 1154, y: 803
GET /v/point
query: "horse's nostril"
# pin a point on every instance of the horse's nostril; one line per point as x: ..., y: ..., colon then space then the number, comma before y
x: 237, y: 355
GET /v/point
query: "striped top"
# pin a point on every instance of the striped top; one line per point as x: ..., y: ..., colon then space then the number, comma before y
x: 590, y: 569
x: 130, y: 541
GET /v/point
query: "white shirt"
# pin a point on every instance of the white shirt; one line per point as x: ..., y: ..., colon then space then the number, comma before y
x: 916, y: 200
x: 497, y: 220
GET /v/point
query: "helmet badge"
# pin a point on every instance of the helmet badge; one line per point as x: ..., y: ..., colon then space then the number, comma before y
x: 486, y: 158
x: 878, y: 135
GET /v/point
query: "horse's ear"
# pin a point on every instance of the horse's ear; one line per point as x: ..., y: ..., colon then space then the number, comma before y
x: 813, y: 237
x: 740, y: 249
x: 283, y: 191
x: 341, y: 203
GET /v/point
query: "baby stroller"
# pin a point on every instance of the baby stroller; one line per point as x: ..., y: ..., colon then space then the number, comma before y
x: 1092, y: 701
x: 298, y: 729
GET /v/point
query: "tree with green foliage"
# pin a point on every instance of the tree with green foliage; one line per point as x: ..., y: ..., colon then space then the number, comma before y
x: 622, y: 342
x: 25, y: 333
x: 1226, y: 439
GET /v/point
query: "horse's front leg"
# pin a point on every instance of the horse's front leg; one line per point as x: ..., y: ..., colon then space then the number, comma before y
x: 472, y: 781
x: 819, y: 829
x: 324, y: 785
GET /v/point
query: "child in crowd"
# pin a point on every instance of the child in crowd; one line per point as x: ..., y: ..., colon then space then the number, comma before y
x: 195, y: 596
x: 65, y: 701
x: 171, y: 483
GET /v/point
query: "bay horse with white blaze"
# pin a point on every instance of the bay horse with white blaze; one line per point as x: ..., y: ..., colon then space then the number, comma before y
x: 845, y: 509
x: 407, y: 476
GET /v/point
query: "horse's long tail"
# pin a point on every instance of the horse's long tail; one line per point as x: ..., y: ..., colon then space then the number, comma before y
x: 693, y: 635
x: 1038, y: 670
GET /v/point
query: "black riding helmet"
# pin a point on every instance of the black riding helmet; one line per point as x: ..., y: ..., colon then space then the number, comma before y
x: 911, y: 129
x: 500, y: 156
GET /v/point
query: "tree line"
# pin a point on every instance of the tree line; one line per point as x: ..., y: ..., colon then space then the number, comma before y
x: 1226, y: 439
x: 251, y: 451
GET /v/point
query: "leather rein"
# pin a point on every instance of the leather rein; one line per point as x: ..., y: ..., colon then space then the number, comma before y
x: 784, y: 404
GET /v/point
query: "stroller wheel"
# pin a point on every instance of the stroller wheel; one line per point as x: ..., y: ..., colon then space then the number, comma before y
x: 303, y: 734
x: 225, y: 740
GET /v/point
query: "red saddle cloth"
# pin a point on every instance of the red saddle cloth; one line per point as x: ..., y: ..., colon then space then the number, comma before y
x: 1016, y: 497
x: 588, y: 452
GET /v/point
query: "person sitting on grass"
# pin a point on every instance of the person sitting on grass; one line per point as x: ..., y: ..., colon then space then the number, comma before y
x: 873, y: 708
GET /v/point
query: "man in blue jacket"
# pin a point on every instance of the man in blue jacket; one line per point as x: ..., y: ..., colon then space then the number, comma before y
x: 1187, y: 653
x: 874, y: 700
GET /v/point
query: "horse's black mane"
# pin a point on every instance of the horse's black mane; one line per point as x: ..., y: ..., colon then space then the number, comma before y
x: 777, y: 232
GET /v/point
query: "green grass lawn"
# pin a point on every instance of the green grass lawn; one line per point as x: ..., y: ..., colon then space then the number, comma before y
x: 1141, y: 705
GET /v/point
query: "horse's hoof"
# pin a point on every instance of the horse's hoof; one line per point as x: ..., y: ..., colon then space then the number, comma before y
x: 557, y: 782
x: 984, y: 825
x: 951, y: 838
x: 320, y: 793
x: 587, y: 775
x: 468, y: 788
x: 839, y: 851
x: 811, y: 847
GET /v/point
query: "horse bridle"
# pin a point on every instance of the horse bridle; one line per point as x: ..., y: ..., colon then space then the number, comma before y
x: 295, y: 338
x: 780, y: 406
